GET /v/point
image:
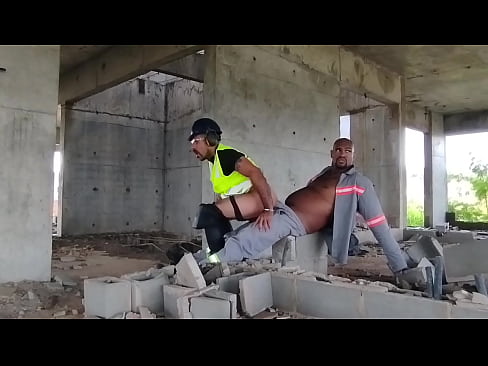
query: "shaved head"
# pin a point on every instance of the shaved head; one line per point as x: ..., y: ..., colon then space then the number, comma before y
x: 342, y: 153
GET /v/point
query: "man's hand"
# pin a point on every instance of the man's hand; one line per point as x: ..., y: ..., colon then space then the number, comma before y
x: 263, y: 222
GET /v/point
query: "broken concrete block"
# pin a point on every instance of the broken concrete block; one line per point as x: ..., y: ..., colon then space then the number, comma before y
x: 219, y: 270
x: 409, y: 233
x: 74, y: 312
x: 183, y: 302
x: 460, y: 236
x: 188, y: 273
x: 210, y: 308
x: 286, y: 245
x: 107, y: 296
x: 147, y: 290
x: 256, y: 293
x: 427, y: 247
x: 464, y: 260
x: 231, y: 298
x: 171, y: 294
x: 479, y: 298
x: 59, y: 313
x: 309, y: 252
x: 284, y: 291
x: 145, y: 313
x: 65, y: 280
x: 54, y: 286
x: 231, y: 283
x: 169, y: 270
x: 416, y: 275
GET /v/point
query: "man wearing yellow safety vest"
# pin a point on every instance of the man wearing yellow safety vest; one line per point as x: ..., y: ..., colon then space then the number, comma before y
x: 241, y: 188
x: 329, y: 202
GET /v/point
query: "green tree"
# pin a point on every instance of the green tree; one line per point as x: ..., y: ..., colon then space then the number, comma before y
x: 415, y: 214
x: 479, y: 182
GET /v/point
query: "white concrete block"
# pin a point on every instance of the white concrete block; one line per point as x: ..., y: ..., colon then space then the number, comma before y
x: 146, y: 313
x: 284, y: 291
x: 210, y: 308
x: 183, y: 302
x: 231, y: 298
x: 231, y: 283
x: 462, y: 261
x: 107, y: 296
x: 324, y: 300
x: 188, y: 273
x: 171, y: 295
x: 460, y: 236
x: 427, y: 247
x: 308, y: 251
x: 466, y: 310
x: 390, y: 305
x: 256, y: 293
x: 147, y: 291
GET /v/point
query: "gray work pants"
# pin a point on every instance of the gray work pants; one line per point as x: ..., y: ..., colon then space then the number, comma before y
x: 248, y: 241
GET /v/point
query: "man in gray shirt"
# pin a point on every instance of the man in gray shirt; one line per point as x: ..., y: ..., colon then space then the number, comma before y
x: 328, y: 202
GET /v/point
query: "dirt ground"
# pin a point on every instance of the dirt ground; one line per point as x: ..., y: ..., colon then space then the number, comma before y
x: 75, y: 259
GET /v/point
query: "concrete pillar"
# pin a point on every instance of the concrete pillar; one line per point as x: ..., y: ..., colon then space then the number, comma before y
x: 435, y: 176
x: 28, y: 102
x: 379, y: 155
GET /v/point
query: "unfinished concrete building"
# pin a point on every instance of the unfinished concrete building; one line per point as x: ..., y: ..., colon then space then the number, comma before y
x: 121, y: 129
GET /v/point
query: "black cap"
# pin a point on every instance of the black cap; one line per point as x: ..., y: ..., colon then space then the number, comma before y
x: 203, y: 126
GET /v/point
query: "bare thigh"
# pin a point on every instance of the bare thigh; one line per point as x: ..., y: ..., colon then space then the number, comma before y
x: 249, y: 204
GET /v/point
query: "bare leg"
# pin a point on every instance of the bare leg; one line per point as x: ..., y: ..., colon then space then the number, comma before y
x: 249, y: 203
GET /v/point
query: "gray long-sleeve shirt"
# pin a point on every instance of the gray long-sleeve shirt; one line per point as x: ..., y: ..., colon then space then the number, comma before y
x: 355, y: 193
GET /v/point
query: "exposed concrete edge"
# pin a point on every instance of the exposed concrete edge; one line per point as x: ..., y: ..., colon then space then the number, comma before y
x: 450, y: 311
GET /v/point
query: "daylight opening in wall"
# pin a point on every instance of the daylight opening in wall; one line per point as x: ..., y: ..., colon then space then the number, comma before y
x: 467, y: 176
x: 56, y: 196
x: 345, y: 126
x: 414, y: 160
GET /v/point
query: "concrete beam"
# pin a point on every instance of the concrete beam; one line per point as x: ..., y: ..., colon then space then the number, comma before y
x: 190, y: 67
x: 116, y: 65
x: 362, y: 75
x: 462, y: 123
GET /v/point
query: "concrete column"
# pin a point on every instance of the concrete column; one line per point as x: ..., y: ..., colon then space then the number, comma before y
x: 435, y: 176
x: 379, y: 155
x: 28, y: 102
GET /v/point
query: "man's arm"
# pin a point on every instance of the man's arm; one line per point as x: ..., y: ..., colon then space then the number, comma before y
x: 370, y: 208
x: 246, y: 168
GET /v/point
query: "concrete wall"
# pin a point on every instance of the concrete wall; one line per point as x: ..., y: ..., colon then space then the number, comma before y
x: 416, y: 118
x: 183, y: 171
x: 279, y: 111
x: 28, y: 102
x: 470, y: 122
x: 113, y: 161
x: 435, y: 176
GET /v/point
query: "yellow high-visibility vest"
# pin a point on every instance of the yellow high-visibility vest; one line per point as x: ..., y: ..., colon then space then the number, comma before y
x: 229, y: 185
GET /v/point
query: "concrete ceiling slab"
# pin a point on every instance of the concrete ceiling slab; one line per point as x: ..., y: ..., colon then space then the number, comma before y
x: 443, y: 78
x: 72, y: 56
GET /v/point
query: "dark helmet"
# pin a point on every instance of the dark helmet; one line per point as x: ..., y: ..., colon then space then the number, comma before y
x: 204, y: 126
